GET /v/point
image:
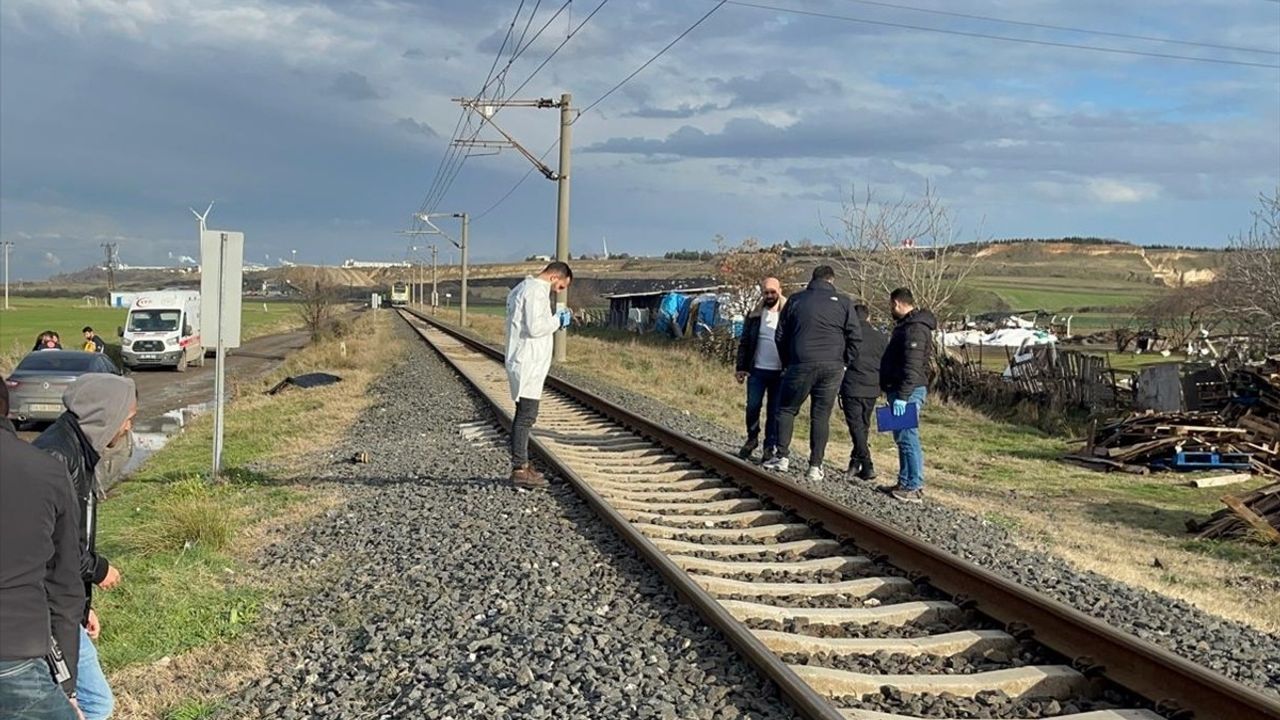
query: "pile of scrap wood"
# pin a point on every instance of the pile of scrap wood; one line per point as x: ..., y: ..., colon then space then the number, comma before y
x: 1243, y: 437
x: 1256, y: 513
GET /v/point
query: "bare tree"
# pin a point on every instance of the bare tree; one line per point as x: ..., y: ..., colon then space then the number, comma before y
x: 318, y: 308
x: 1251, y: 278
x: 741, y: 268
x: 1180, y: 314
x: 907, y: 243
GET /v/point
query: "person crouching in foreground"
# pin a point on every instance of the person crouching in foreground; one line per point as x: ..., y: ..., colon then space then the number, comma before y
x: 531, y: 323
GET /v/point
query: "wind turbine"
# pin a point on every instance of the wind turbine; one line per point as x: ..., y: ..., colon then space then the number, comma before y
x: 202, y: 218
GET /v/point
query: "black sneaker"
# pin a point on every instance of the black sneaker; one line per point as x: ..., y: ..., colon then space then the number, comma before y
x: 868, y: 472
x: 747, y: 448
x: 901, y: 494
x: 855, y: 467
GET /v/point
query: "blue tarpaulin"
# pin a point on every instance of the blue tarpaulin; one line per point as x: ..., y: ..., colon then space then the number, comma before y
x: 673, y: 314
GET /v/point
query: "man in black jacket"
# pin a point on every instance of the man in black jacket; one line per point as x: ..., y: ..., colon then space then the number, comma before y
x: 41, y: 596
x: 818, y: 337
x: 760, y: 367
x: 859, y: 392
x: 100, y: 410
x: 904, y: 377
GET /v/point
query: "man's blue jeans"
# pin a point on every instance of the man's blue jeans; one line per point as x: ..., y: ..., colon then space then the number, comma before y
x: 910, y: 454
x: 762, y: 383
x: 27, y: 691
x: 92, y: 691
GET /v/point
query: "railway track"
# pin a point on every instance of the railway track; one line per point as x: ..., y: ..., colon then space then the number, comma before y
x: 851, y: 618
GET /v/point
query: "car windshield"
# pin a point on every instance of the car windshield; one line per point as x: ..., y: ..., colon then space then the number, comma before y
x: 154, y: 320
x: 57, y: 361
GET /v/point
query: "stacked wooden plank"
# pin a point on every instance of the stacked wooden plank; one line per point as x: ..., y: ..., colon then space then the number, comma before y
x: 1244, y: 436
x: 1255, y: 514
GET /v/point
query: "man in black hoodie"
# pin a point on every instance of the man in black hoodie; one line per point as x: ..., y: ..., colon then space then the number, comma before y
x: 818, y: 336
x: 904, y: 377
x: 41, y: 597
x: 859, y: 392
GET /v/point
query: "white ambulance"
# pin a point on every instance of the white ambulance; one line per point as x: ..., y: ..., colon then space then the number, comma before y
x: 163, y: 329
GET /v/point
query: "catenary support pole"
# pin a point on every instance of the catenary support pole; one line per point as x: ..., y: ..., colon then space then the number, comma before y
x: 462, y: 304
x: 560, y: 351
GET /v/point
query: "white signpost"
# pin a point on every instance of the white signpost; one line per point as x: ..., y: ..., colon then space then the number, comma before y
x: 221, y: 269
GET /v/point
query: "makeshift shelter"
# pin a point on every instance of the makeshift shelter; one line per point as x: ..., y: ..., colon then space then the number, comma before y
x: 642, y: 311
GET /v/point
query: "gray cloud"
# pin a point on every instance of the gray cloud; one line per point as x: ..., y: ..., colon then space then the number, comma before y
x: 772, y: 86
x: 353, y: 86
x: 683, y: 112
x: 413, y: 53
x: 415, y: 127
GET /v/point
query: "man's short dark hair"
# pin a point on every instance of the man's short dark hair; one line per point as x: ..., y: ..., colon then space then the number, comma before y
x: 861, y: 311
x: 559, y: 268
x: 87, y: 329
x: 824, y: 272
x: 903, y: 295
x: 4, y: 399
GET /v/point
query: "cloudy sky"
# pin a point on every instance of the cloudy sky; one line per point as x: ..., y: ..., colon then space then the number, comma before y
x: 319, y: 127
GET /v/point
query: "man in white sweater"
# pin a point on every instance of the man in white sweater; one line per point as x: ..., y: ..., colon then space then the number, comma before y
x: 531, y: 323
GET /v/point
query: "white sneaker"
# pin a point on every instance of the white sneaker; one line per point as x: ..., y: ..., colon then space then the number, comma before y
x: 815, y: 474
x: 778, y: 464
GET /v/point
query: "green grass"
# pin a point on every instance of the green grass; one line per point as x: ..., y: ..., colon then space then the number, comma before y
x: 28, y: 317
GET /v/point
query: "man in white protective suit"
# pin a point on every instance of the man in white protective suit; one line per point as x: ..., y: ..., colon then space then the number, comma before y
x: 531, y: 323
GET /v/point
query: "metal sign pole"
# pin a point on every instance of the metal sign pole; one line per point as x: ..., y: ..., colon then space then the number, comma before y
x: 219, y: 383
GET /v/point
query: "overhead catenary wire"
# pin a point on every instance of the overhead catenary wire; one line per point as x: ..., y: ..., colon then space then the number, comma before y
x: 452, y: 175
x: 650, y: 61
x: 497, y: 106
x: 1064, y: 28
x: 599, y: 100
x: 1002, y: 38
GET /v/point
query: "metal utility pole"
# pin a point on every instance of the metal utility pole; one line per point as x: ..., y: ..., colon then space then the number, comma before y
x: 7, y: 246
x: 110, y: 267
x: 435, y: 296
x: 560, y: 350
x: 462, y: 305
x: 486, y: 109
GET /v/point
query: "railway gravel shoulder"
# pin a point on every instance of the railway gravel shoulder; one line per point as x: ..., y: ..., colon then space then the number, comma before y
x: 1233, y: 649
x: 446, y: 593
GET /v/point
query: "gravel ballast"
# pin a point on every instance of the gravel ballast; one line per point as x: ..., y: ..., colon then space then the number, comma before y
x: 443, y: 592
x: 1233, y: 649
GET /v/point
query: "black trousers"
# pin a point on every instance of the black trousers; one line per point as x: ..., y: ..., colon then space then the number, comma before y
x: 857, y: 415
x: 521, y: 427
x: 819, y: 383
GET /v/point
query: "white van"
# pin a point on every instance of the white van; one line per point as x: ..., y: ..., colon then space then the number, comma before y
x: 163, y: 329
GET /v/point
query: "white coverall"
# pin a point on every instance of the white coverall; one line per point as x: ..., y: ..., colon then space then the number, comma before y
x: 530, y: 327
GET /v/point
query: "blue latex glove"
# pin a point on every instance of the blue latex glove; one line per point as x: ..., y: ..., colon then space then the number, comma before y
x: 566, y: 318
x: 899, y: 407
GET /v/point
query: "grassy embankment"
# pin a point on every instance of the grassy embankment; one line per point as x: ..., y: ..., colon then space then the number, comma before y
x: 28, y: 317
x: 1114, y: 524
x: 183, y: 544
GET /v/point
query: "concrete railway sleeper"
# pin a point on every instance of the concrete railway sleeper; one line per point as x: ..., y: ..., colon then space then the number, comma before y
x: 806, y: 588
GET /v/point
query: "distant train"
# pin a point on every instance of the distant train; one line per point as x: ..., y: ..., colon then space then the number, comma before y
x: 399, y: 294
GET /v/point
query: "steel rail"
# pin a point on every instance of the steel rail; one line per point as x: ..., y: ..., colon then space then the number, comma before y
x: 803, y: 697
x: 1179, y: 688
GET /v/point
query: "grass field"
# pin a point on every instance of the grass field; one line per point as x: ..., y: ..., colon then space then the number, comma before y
x: 29, y: 317
x: 1010, y: 474
x: 183, y: 544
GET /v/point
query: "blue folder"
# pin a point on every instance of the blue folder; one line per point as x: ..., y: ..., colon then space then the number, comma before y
x: 886, y: 420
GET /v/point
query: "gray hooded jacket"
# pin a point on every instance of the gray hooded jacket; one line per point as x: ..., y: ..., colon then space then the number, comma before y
x: 97, y: 407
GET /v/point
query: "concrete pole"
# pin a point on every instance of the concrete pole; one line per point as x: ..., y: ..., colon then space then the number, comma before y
x: 435, y: 296
x: 7, y: 244
x: 462, y: 303
x: 560, y: 350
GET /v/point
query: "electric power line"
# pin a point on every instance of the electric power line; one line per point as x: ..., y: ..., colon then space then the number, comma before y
x: 1065, y: 28
x: 519, y: 182
x: 499, y: 105
x: 650, y: 61
x: 1004, y: 38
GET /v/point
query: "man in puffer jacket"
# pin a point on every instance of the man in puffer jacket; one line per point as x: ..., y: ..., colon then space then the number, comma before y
x: 904, y: 377
x: 100, y: 410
